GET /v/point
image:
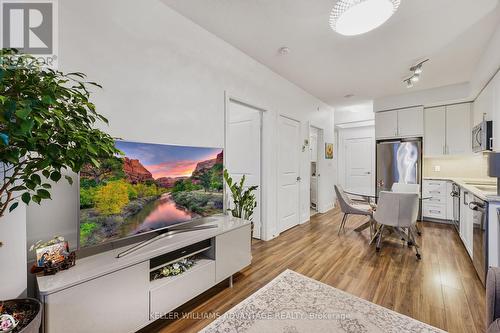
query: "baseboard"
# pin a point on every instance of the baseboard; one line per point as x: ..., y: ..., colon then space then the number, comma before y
x: 326, y: 208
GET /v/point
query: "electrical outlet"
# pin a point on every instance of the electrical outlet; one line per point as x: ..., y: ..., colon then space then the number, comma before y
x: 437, y: 168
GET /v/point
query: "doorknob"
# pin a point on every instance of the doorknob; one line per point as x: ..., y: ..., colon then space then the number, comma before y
x: 299, y: 179
x: 368, y: 173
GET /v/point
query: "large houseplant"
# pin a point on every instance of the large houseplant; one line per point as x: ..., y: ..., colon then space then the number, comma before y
x: 244, y: 201
x: 47, y: 124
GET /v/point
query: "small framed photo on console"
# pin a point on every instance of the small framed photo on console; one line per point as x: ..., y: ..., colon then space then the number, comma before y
x: 55, y: 253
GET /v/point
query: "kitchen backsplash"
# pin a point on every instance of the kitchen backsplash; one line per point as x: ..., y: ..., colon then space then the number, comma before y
x: 474, y: 166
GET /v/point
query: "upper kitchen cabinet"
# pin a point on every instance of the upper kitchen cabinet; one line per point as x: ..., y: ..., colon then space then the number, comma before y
x: 458, y: 129
x: 386, y: 124
x: 435, y: 134
x: 407, y: 122
x: 448, y: 130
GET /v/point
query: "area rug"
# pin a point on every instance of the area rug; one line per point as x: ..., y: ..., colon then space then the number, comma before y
x: 294, y: 303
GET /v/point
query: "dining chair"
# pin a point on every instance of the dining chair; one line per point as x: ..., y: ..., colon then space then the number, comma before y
x: 398, y: 211
x: 407, y: 188
x: 348, y: 207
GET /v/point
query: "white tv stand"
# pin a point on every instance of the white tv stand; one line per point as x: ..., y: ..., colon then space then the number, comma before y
x: 103, y: 293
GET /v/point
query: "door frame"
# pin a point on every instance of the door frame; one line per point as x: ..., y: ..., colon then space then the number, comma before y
x: 230, y: 98
x: 319, y: 164
x: 278, y: 226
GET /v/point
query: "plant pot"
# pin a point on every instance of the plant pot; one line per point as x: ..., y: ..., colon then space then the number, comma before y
x: 32, y: 318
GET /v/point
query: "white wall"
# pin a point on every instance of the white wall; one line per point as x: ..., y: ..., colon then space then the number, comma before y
x: 13, y: 279
x: 164, y: 80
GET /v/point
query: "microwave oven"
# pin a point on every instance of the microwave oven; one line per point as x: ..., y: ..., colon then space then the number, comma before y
x: 482, y: 136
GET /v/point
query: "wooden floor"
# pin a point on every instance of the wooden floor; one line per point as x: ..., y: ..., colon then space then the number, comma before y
x: 442, y: 289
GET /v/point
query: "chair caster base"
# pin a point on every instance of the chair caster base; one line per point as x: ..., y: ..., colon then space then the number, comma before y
x: 410, y: 244
x: 419, y: 233
x: 419, y: 257
x: 377, y: 249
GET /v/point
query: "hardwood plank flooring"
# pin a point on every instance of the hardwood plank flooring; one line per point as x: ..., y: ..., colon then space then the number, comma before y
x: 442, y: 289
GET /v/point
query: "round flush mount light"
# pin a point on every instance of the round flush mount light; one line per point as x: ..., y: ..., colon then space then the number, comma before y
x: 356, y: 17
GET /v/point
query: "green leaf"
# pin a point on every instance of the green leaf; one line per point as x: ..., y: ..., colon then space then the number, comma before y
x: 44, y: 194
x: 55, y: 176
x: 46, y: 173
x: 36, y: 199
x: 26, y: 197
x: 13, y: 206
x: 36, y: 179
x: 23, y: 113
x: 69, y: 179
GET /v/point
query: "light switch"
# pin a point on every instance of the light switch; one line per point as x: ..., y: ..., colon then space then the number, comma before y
x: 437, y: 168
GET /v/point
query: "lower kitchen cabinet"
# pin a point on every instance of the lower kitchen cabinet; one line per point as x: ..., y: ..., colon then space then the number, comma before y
x: 466, y: 221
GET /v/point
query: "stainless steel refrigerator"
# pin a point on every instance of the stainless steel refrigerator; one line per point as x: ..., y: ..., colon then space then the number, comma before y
x: 398, y: 161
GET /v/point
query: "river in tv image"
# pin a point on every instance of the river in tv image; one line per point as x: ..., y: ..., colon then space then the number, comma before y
x: 149, y: 187
x: 155, y: 215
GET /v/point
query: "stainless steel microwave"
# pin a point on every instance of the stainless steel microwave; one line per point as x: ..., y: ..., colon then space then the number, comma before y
x: 482, y: 136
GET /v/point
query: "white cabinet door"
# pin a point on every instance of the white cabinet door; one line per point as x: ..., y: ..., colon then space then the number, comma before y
x: 466, y: 222
x: 458, y: 129
x: 435, y: 135
x: 411, y: 122
x: 386, y: 124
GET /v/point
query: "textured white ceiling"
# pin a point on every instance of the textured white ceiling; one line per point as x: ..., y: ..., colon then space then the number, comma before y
x: 452, y: 33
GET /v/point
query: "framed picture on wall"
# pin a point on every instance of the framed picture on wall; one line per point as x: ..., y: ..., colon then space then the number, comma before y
x: 329, y: 151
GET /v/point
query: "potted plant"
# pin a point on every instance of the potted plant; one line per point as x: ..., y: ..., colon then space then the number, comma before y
x: 47, y: 124
x: 243, y: 199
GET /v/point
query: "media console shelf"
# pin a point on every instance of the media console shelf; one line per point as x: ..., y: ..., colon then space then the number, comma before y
x: 103, y: 293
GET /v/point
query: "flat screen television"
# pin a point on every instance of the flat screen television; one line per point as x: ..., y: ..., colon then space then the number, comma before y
x: 151, y: 187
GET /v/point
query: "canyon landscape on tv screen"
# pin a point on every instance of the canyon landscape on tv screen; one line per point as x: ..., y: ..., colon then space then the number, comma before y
x: 150, y: 187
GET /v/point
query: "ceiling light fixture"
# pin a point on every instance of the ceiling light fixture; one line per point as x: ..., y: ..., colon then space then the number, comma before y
x: 415, y: 76
x: 356, y: 17
x: 284, y: 51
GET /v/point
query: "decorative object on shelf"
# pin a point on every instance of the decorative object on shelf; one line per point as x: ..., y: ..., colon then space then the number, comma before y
x: 51, y: 268
x: 20, y: 315
x: 48, y: 124
x: 356, y: 17
x: 415, y: 76
x: 54, y: 253
x: 243, y: 200
x: 494, y: 168
x: 174, y: 269
x: 52, y: 256
x: 329, y: 151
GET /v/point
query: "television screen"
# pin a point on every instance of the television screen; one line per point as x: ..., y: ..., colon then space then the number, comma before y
x: 149, y: 187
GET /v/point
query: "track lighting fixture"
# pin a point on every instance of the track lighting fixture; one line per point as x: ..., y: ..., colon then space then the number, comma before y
x: 415, y: 76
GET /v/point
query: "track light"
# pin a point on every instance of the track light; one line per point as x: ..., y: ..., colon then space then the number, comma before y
x: 415, y: 76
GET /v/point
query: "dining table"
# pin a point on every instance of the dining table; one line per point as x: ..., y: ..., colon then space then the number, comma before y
x: 371, y: 199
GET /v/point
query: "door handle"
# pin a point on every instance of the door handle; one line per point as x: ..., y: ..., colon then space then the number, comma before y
x: 299, y: 179
x: 368, y: 173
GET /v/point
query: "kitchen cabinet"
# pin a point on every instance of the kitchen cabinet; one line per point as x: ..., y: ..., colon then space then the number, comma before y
x: 408, y: 122
x: 466, y: 221
x: 435, y: 134
x: 386, y: 124
x: 447, y: 130
x: 436, y: 207
x: 458, y: 129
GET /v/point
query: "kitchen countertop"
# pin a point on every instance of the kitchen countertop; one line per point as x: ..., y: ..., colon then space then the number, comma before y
x: 465, y: 183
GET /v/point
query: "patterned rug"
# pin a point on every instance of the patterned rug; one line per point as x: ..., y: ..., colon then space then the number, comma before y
x: 294, y: 303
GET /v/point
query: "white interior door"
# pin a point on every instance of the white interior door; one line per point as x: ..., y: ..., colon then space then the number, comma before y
x: 243, y: 151
x: 359, y: 165
x: 288, y: 173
